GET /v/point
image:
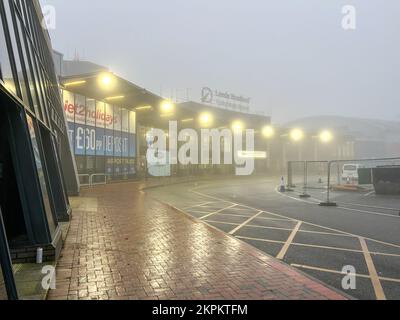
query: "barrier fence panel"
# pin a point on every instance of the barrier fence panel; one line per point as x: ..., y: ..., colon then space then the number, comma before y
x: 381, y: 175
x: 296, y: 173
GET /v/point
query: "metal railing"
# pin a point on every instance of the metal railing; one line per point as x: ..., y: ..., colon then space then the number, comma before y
x: 91, y: 183
x: 82, y: 176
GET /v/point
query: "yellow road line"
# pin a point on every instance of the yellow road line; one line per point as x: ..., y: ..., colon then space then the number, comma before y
x: 339, y: 272
x: 221, y: 222
x: 262, y: 240
x: 319, y: 247
x: 303, y: 231
x: 198, y: 205
x: 307, y: 223
x: 327, y: 270
x: 234, y: 215
x: 289, y: 241
x: 244, y: 223
x: 213, y: 213
x: 380, y: 295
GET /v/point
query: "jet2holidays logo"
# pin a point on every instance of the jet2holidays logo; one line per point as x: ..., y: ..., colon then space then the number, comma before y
x: 205, y: 146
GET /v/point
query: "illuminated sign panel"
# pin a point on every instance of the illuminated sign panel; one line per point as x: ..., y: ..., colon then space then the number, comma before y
x: 102, y: 130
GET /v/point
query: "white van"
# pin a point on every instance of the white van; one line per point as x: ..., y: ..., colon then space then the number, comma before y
x: 350, y: 173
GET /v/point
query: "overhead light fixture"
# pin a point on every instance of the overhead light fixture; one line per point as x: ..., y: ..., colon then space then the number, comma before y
x: 143, y: 108
x: 74, y: 83
x: 115, y: 98
x: 205, y: 119
x: 237, y: 126
x: 296, y: 135
x: 187, y: 120
x: 268, y: 131
x: 326, y: 136
x: 167, y: 106
x: 106, y: 80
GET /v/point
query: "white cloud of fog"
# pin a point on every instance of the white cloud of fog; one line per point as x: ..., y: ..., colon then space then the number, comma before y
x: 292, y: 57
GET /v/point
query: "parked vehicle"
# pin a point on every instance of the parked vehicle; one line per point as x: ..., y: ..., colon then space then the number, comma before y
x: 350, y: 173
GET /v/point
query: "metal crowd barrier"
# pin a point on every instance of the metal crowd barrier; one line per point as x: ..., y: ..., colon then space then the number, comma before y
x: 84, y: 184
x: 91, y: 183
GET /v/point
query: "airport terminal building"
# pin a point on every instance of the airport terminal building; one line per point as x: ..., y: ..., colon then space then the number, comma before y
x: 110, y: 119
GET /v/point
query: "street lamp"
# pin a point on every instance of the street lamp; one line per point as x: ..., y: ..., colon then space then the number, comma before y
x: 167, y: 107
x: 326, y: 136
x: 106, y: 80
x: 205, y: 119
x: 268, y: 132
x: 296, y: 135
x: 237, y: 126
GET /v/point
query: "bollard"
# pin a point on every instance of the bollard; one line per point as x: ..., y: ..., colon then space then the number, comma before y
x: 282, y: 187
x: 39, y: 256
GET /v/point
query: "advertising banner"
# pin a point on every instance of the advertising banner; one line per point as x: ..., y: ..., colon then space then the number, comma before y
x: 99, y: 129
x: 69, y: 105
x: 80, y: 109
x: 100, y: 114
x: 109, y: 114
x: 91, y: 115
x: 125, y: 120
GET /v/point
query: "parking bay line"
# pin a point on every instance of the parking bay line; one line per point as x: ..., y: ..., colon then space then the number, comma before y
x: 282, y: 229
x: 222, y: 222
x: 244, y: 223
x: 288, y: 242
x: 379, y: 293
x: 300, y: 266
x: 304, y: 231
x: 318, y: 246
x: 308, y: 223
x: 216, y: 212
x: 198, y: 205
x: 340, y: 207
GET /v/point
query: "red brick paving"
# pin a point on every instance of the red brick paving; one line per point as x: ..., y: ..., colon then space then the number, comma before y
x: 133, y: 247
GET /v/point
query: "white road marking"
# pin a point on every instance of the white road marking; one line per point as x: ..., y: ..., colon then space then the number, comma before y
x: 216, y: 212
x: 244, y: 223
x: 308, y: 223
x: 288, y: 242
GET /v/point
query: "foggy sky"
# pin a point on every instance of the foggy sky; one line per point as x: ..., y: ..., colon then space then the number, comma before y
x: 292, y: 57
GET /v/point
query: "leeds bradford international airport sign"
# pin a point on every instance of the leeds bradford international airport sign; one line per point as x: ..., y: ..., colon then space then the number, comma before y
x: 225, y: 99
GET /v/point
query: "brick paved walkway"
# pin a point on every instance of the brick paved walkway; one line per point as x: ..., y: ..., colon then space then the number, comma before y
x: 124, y: 245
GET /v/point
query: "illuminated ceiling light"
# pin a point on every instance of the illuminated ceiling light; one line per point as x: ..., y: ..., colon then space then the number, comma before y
x: 144, y: 108
x: 268, y: 132
x: 326, y: 136
x: 296, y: 135
x: 187, y: 120
x: 115, y: 98
x: 205, y: 119
x: 167, y: 107
x: 237, y: 126
x: 74, y: 83
x: 106, y: 80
